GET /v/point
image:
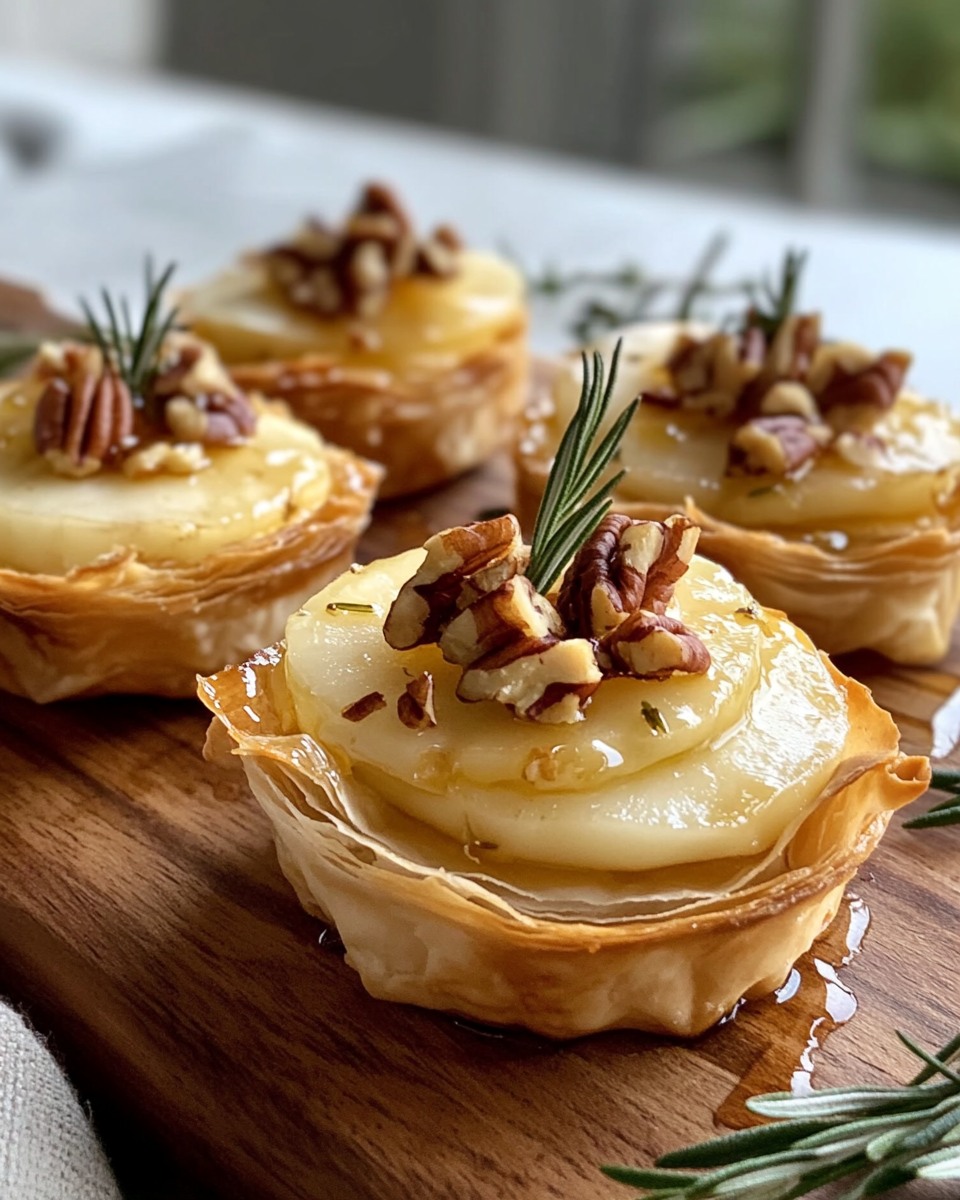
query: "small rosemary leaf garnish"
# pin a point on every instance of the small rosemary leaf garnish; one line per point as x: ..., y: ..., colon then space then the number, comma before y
x: 761, y: 491
x: 566, y: 516
x: 947, y: 812
x: 885, y: 1136
x: 773, y: 301
x: 336, y: 606
x: 134, y: 352
x: 651, y: 714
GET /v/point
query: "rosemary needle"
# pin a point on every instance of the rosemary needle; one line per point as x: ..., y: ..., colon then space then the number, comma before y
x: 567, y: 516
x: 880, y: 1137
x: 947, y: 812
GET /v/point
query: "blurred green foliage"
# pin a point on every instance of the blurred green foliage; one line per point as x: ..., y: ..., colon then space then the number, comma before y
x: 912, y: 87
x: 736, y: 70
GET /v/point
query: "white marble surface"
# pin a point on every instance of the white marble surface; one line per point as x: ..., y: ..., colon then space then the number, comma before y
x: 195, y: 173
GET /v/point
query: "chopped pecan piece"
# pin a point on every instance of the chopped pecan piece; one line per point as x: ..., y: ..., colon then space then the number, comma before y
x: 706, y: 375
x: 415, y: 705
x: 789, y: 398
x: 653, y: 646
x: 776, y: 446
x: 624, y: 566
x: 548, y: 680
x: 461, y: 565
x: 788, y: 357
x: 198, y: 399
x: 84, y: 418
x: 362, y: 708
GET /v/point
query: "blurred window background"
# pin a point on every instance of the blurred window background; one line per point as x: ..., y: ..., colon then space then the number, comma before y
x: 850, y: 104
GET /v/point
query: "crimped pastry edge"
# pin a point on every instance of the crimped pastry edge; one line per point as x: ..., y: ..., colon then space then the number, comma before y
x: 121, y: 625
x: 425, y: 426
x: 415, y: 936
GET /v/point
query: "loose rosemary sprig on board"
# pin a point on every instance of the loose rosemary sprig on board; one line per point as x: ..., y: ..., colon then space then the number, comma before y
x: 774, y: 301
x: 947, y: 812
x: 133, y: 350
x: 566, y: 516
x: 885, y: 1136
x: 629, y: 293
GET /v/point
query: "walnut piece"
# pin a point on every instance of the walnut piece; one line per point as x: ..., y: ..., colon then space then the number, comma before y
x: 544, y: 663
x: 351, y: 270
x: 415, y: 705
x: 653, y: 646
x: 780, y: 446
x: 624, y: 566
x: 461, y: 565
x: 549, y: 680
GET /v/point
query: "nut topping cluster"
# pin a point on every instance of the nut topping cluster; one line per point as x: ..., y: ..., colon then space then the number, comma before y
x: 351, y: 270
x: 789, y: 394
x: 544, y: 661
x: 88, y: 418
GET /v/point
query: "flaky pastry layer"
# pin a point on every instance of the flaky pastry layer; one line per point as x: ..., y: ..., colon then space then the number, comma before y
x: 122, y: 625
x: 424, y: 425
x: 446, y: 939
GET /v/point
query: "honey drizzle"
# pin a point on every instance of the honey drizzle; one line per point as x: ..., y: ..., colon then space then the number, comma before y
x: 811, y: 1003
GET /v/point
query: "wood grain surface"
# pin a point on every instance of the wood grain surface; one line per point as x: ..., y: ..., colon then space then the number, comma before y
x: 144, y: 921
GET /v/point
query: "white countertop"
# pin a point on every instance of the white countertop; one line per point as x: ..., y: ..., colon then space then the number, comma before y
x: 197, y: 173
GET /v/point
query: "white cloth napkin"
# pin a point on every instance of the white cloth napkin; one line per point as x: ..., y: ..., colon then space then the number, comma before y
x: 48, y: 1150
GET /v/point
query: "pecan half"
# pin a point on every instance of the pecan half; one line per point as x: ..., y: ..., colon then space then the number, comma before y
x: 84, y: 419
x: 415, y: 705
x: 461, y: 565
x: 776, y: 446
x: 624, y: 566
x: 654, y: 646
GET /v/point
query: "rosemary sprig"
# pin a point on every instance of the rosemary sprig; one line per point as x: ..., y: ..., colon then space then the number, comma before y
x: 885, y: 1136
x: 947, y: 812
x: 774, y: 301
x: 566, y: 517
x: 133, y: 349
x: 629, y: 293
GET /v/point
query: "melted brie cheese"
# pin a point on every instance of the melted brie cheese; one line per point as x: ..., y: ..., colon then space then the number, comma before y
x: 50, y: 523
x: 670, y: 455
x: 427, y: 323
x: 744, y: 751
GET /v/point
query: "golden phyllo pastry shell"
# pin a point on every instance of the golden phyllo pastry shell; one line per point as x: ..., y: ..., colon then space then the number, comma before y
x: 425, y: 425
x: 427, y: 935
x: 123, y: 625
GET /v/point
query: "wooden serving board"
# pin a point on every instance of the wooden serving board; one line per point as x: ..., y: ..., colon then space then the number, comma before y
x: 145, y: 923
